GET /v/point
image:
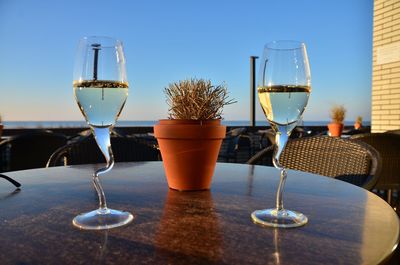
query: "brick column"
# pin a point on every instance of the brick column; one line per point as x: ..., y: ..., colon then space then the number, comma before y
x: 386, y: 66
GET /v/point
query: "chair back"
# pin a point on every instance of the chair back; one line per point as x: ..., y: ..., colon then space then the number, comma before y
x: 30, y: 150
x: 351, y: 161
x: 236, y: 146
x: 86, y: 151
x: 388, y: 146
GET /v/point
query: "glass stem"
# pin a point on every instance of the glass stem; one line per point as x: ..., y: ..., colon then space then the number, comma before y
x: 102, y: 136
x: 279, y: 193
x: 281, y: 140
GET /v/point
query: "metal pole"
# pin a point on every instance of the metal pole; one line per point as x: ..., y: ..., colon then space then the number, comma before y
x: 96, y: 48
x: 253, y: 90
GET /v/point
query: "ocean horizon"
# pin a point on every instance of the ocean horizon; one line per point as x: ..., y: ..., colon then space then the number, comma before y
x: 125, y: 123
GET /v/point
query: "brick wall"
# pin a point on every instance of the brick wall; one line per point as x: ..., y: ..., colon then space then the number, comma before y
x: 386, y: 66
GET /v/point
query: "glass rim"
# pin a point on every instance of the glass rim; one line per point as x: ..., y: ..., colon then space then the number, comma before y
x: 108, y: 39
x: 285, y: 45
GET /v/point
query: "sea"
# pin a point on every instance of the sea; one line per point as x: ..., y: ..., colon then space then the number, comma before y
x: 126, y: 123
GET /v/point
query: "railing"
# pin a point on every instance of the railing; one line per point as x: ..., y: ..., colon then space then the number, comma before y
x: 238, y: 149
x: 149, y: 129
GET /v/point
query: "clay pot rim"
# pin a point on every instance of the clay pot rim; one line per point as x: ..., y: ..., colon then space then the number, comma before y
x: 189, y: 122
x: 189, y: 129
x: 335, y: 122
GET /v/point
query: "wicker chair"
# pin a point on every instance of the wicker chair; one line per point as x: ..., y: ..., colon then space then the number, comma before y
x: 86, y: 151
x: 388, y: 145
x: 29, y: 150
x: 347, y: 160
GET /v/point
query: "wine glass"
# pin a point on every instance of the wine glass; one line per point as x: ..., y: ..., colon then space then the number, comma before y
x: 101, y: 89
x: 283, y: 90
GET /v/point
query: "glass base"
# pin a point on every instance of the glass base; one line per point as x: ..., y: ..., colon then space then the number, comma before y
x: 282, y: 219
x: 102, y: 219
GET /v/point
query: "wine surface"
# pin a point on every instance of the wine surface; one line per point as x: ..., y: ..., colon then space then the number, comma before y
x: 283, y: 104
x: 100, y: 101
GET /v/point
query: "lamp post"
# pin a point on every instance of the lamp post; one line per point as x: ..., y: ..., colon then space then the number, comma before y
x: 253, y: 90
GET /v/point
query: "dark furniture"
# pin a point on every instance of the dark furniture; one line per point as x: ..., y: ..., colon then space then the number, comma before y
x: 388, y: 145
x: 347, y: 160
x: 393, y: 131
x: 236, y: 147
x: 86, y: 151
x: 347, y: 224
x: 29, y: 150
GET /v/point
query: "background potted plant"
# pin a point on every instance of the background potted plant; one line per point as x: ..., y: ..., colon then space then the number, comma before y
x: 358, y: 123
x: 1, y: 127
x: 191, y: 138
x: 338, y: 113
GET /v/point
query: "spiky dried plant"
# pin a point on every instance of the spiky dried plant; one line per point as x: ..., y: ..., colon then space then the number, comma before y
x: 196, y: 99
x: 338, y: 113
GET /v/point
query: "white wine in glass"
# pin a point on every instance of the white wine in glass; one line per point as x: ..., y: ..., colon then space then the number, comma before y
x: 283, y: 90
x: 101, y: 89
x: 101, y: 102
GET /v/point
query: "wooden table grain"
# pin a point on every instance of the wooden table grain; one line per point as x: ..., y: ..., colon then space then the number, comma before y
x: 347, y: 225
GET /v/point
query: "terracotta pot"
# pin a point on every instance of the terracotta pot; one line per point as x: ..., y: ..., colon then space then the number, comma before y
x: 189, y: 150
x: 335, y: 129
x: 357, y: 125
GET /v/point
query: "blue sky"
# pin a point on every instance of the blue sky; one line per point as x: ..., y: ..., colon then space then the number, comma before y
x: 166, y: 41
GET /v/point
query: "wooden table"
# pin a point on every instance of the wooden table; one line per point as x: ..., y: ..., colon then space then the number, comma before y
x: 347, y: 225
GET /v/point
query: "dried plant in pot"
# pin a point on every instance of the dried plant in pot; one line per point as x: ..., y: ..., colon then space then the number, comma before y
x: 1, y: 127
x: 358, y: 123
x: 191, y: 138
x: 338, y: 113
